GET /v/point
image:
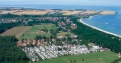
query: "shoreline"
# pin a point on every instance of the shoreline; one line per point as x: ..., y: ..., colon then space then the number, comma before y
x: 80, y: 20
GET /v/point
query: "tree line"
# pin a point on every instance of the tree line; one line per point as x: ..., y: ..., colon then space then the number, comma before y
x: 30, y: 16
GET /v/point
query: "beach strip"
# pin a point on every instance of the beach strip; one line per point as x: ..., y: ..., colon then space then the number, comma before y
x: 99, y: 29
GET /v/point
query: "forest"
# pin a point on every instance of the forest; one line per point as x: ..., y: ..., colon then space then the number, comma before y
x: 9, y: 52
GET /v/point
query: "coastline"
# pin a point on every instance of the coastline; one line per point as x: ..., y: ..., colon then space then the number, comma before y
x: 80, y: 20
x: 34, y: 11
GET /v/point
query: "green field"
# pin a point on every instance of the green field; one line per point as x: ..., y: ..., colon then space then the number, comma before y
x: 99, y: 57
x: 35, y: 30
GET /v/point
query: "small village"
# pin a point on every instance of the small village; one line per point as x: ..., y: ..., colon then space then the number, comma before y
x: 44, y: 48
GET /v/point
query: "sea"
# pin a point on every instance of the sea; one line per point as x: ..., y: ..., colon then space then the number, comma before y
x: 110, y: 23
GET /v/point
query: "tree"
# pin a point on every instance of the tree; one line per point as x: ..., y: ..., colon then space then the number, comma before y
x: 53, y: 32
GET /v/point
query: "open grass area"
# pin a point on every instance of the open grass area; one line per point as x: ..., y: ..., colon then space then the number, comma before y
x: 64, y: 33
x: 99, y: 57
x: 17, y: 31
x: 36, y: 30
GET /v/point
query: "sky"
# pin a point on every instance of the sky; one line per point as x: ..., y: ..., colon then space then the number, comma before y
x: 61, y: 2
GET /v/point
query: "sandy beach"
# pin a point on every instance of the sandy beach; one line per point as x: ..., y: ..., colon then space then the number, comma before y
x: 99, y: 29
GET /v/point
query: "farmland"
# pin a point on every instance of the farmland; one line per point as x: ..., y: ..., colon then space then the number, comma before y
x: 79, y: 12
x: 98, y: 57
x: 42, y: 12
x: 17, y: 31
x: 89, y: 12
x: 37, y: 30
x: 70, y: 12
x: 28, y: 12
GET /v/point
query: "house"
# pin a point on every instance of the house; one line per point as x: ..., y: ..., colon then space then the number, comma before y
x: 19, y: 43
x: 28, y: 42
x: 38, y: 43
x: 34, y: 42
x: 73, y: 26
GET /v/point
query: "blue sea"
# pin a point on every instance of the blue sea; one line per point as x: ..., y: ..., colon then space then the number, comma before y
x: 111, y: 23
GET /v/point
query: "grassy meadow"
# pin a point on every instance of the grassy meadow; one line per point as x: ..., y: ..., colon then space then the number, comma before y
x: 36, y: 30
x: 98, y: 57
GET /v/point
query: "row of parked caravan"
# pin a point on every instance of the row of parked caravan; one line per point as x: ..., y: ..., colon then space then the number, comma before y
x: 52, y: 51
